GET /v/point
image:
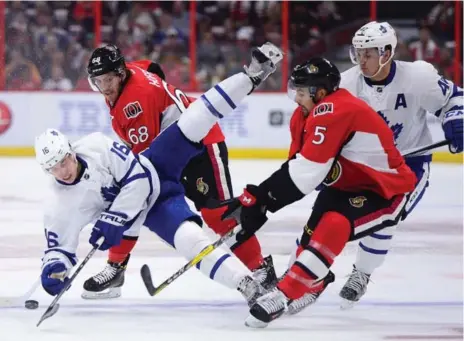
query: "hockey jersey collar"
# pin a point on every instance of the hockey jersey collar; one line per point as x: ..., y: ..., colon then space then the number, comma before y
x: 386, y: 81
x: 79, y: 176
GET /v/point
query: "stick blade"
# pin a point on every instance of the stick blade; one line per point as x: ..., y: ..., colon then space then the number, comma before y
x: 147, y: 280
x: 52, y: 310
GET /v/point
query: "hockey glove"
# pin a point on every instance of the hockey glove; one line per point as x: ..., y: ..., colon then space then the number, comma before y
x: 112, y: 227
x: 213, y: 213
x: 250, y: 210
x: 54, y: 277
x: 452, y: 127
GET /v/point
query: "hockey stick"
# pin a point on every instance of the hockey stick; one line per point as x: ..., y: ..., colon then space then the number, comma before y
x: 19, y: 301
x: 146, y: 273
x: 427, y: 148
x: 54, y: 306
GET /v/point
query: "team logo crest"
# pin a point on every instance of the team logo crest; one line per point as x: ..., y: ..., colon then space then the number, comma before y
x: 334, y: 174
x: 202, y: 186
x: 358, y: 202
x: 323, y: 108
x: 313, y: 69
x: 133, y: 109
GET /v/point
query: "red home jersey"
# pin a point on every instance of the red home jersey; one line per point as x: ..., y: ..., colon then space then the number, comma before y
x: 147, y: 105
x: 348, y: 143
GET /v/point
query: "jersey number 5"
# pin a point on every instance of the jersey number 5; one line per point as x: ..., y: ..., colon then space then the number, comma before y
x: 319, y: 135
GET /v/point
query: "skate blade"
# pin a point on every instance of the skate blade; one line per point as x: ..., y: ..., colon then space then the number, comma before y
x: 102, y: 295
x: 253, y: 322
x: 346, y: 304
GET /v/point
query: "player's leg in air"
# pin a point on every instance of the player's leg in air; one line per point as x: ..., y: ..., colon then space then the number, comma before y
x: 207, y: 180
x: 170, y: 217
x: 373, y: 249
x: 195, y: 123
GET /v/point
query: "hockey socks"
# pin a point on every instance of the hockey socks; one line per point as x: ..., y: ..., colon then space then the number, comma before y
x: 119, y: 253
x: 222, y: 99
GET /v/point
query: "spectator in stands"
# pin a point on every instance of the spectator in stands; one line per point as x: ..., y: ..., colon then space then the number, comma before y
x: 21, y: 73
x: 425, y: 48
x: 138, y: 22
x: 57, y: 81
x: 446, y: 67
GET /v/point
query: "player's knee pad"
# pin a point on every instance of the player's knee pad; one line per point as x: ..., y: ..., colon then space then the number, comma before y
x: 330, y: 235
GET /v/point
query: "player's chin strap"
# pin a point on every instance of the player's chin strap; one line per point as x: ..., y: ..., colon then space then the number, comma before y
x: 422, y: 150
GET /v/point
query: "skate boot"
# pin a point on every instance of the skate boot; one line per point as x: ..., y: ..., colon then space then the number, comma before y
x: 111, y: 278
x: 310, y: 298
x: 266, y: 274
x: 354, y: 288
x: 251, y: 289
x: 267, y: 308
x: 263, y: 63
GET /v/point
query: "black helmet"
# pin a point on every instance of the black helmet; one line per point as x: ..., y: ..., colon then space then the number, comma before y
x: 105, y: 59
x: 316, y: 73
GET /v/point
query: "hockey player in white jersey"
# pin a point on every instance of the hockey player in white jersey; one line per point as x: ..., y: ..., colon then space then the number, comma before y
x: 404, y: 94
x: 100, y: 181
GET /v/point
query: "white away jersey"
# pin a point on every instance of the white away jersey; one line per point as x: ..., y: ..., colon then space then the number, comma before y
x: 411, y: 90
x: 112, y: 180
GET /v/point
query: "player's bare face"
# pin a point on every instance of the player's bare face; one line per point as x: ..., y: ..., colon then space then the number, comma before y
x: 368, y: 60
x: 304, y: 100
x: 66, y: 170
x: 109, y: 85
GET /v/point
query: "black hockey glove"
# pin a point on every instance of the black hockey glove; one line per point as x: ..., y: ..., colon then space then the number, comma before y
x: 271, y: 195
x: 249, y: 209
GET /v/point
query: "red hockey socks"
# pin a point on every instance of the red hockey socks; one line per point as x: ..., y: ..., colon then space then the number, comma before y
x: 119, y: 253
x: 314, y: 260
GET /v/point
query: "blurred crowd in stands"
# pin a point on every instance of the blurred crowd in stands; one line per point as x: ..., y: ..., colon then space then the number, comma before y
x: 48, y: 43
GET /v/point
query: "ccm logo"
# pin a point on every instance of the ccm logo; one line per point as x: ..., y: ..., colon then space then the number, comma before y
x: 133, y: 109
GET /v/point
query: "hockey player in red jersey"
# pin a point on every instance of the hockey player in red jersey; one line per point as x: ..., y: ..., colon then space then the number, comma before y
x: 340, y: 141
x: 141, y: 106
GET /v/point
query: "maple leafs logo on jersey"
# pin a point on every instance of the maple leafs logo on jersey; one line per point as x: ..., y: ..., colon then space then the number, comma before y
x: 322, y: 109
x: 396, y: 128
x: 110, y: 193
x: 133, y: 109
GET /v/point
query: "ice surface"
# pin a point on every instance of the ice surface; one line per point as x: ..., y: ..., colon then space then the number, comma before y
x: 416, y: 295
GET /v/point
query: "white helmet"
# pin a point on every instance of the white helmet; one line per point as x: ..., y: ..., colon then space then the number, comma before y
x: 374, y: 35
x: 51, y: 147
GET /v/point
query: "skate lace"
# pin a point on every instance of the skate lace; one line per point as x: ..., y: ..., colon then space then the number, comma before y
x: 106, y: 274
x: 248, y: 288
x: 273, y: 304
x: 260, y: 275
x: 304, y: 301
x: 357, y: 281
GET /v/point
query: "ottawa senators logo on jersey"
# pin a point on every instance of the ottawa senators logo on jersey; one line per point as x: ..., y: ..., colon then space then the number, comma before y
x: 334, y: 174
x: 357, y: 202
x: 323, y: 108
x: 202, y: 186
x: 133, y: 109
